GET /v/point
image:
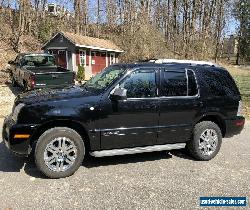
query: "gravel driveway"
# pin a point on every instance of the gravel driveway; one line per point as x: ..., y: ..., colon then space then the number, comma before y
x: 160, y: 180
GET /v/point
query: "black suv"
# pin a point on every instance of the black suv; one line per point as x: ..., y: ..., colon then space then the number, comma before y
x: 126, y: 109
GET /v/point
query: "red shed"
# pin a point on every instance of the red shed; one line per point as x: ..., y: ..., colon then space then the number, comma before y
x: 72, y: 50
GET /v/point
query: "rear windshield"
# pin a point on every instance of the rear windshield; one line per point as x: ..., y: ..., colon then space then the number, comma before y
x: 38, y: 60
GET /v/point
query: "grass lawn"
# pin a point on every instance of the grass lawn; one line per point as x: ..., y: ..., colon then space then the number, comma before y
x: 242, y: 78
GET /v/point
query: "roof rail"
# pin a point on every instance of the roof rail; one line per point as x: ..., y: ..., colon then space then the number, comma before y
x: 193, y: 62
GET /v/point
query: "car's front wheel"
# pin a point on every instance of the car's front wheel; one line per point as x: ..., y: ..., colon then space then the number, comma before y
x: 206, y: 141
x: 59, y: 152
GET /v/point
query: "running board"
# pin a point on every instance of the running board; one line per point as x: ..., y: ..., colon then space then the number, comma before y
x: 127, y: 151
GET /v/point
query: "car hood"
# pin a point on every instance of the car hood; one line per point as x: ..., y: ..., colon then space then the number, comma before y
x: 42, y: 95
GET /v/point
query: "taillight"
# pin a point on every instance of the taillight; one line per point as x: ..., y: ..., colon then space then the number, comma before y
x: 240, y: 109
x: 240, y: 122
x: 32, y: 81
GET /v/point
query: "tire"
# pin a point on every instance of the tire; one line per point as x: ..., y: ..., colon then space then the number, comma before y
x: 49, y: 141
x: 207, y: 149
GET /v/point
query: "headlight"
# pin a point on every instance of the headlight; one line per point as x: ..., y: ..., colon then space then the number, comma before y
x: 16, y: 111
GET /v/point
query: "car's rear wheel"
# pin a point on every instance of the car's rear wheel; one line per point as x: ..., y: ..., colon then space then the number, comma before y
x: 59, y: 152
x: 206, y: 141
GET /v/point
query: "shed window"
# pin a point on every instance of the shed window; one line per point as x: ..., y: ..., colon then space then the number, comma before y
x: 112, y: 58
x: 82, y: 54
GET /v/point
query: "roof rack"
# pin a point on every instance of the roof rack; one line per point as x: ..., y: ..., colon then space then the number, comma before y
x: 192, y: 62
x: 151, y: 60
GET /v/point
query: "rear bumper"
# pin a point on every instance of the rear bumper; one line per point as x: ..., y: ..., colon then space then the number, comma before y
x: 20, y: 146
x: 234, y: 126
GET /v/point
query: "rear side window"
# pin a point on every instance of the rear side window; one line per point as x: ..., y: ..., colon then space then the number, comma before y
x: 219, y: 83
x: 192, y: 86
x: 173, y: 83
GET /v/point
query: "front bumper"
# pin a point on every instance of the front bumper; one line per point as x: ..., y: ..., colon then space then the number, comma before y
x: 20, y: 146
x: 234, y: 126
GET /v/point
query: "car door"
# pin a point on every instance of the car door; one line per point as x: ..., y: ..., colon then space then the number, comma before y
x: 132, y: 122
x: 179, y: 104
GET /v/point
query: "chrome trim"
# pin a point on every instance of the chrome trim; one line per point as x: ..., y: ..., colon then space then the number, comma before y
x: 186, y: 73
x: 178, y: 97
x: 196, y: 81
x: 127, y: 151
x: 133, y: 128
x: 131, y: 99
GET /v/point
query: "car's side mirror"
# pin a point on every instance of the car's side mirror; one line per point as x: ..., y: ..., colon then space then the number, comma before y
x: 11, y: 62
x: 119, y: 94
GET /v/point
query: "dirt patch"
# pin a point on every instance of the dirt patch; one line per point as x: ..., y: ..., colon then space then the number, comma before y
x: 7, y: 98
x: 4, y: 77
x: 27, y: 44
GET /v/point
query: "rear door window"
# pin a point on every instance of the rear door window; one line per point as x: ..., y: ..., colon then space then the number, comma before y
x: 173, y: 83
x: 178, y: 83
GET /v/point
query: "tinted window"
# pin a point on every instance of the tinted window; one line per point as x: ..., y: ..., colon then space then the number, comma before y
x: 173, y: 83
x: 105, y: 78
x: 140, y: 84
x: 192, y: 86
x: 219, y: 83
x: 38, y: 60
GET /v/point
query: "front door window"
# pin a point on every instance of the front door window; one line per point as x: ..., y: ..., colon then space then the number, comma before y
x: 140, y: 84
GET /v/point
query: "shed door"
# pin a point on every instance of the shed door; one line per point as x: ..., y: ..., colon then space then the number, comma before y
x: 98, y: 61
x: 62, y: 58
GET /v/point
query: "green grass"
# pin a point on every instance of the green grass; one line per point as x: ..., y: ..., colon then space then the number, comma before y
x: 242, y: 79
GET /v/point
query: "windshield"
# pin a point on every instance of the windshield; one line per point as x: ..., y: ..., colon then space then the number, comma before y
x: 38, y: 60
x: 105, y: 78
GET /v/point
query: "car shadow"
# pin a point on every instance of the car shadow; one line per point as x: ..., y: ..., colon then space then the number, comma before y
x: 11, y: 163
x: 182, y: 153
x: 93, y: 162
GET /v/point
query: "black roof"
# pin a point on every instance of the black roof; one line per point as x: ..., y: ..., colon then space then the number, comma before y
x: 180, y: 66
